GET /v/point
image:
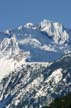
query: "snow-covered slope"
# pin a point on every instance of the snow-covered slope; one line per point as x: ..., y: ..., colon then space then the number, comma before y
x: 44, y: 42
x: 36, y: 84
x: 44, y: 39
x: 32, y: 69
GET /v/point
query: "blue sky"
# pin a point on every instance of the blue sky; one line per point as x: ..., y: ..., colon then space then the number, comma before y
x: 17, y: 12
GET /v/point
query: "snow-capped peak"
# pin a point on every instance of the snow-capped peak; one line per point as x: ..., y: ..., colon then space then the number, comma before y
x: 44, y: 38
x: 55, y: 30
x: 33, y: 68
x: 29, y: 25
x: 45, y: 25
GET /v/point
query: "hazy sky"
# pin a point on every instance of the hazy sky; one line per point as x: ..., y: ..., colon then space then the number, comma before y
x: 17, y: 12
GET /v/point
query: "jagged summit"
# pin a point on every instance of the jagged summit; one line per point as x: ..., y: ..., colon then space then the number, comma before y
x: 54, y: 29
x: 44, y: 38
x: 35, y: 64
x: 43, y: 42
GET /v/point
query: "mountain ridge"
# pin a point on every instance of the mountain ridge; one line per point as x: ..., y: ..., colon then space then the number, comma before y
x: 33, y: 43
x: 34, y: 85
x: 35, y: 63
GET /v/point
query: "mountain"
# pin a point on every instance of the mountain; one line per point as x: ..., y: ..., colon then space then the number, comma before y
x: 36, y: 84
x: 44, y: 38
x: 35, y: 61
